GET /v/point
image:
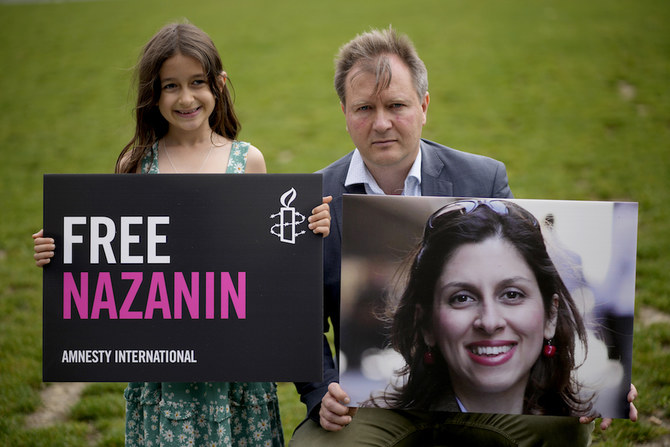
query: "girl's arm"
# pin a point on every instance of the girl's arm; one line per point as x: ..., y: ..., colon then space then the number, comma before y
x: 319, y: 221
x: 44, y: 248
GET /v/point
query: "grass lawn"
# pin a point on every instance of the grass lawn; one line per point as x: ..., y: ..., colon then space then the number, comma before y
x: 573, y: 96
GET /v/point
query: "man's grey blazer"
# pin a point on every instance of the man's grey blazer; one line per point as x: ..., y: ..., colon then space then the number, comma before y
x: 444, y: 172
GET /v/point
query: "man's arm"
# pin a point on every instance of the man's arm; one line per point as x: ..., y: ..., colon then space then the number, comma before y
x: 501, y: 187
x: 311, y: 393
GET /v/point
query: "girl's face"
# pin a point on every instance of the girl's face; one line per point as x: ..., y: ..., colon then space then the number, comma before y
x: 488, y: 319
x: 186, y: 100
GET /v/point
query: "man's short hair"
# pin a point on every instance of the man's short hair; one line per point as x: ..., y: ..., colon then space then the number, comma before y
x: 373, y: 50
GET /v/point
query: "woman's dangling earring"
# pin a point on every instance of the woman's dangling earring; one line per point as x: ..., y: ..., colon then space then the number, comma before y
x: 429, y: 357
x: 549, y: 350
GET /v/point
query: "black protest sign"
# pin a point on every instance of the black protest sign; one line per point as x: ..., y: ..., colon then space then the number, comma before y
x: 182, y: 278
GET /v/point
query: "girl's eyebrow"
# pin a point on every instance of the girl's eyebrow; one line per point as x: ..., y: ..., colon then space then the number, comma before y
x: 193, y: 76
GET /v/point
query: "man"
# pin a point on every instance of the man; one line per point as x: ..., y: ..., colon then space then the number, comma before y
x: 383, y: 89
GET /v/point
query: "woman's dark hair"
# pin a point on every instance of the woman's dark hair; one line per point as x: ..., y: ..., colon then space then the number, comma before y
x: 551, y: 389
x: 150, y: 126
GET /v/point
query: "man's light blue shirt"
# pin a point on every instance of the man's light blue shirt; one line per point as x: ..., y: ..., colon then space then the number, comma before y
x: 359, y: 173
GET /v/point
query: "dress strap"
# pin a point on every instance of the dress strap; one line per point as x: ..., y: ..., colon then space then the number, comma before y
x: 150, y: 160
x: 237, y: 160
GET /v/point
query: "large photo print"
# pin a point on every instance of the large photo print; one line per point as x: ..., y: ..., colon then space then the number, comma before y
x: 488, y: 305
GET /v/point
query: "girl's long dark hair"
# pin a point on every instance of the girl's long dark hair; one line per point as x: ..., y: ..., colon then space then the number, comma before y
x: 188, y: 40
x: 551, y: 388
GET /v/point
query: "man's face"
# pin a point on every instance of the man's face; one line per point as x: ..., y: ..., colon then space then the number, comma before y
x: 385, y: 126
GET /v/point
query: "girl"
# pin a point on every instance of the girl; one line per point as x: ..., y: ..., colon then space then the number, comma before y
x: 185, y: 123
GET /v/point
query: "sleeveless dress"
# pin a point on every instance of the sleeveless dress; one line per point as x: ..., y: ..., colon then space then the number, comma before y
x: 212, y: 414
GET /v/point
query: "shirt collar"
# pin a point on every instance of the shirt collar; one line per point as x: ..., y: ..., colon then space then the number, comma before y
x: 358, y: 174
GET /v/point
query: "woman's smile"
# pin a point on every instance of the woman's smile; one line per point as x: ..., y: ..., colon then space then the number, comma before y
x: 491, y: 353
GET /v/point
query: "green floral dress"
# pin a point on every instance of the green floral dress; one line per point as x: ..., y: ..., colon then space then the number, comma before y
x: 213, y: 414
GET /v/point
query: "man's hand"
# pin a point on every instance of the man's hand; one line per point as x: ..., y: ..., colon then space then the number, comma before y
x: 606, y: 422
x: 334, y: 414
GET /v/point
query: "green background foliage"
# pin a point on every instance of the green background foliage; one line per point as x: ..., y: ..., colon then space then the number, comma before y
x: 572, y: 95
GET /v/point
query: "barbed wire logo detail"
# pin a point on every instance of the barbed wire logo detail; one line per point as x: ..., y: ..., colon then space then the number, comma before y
x: 289, y: 219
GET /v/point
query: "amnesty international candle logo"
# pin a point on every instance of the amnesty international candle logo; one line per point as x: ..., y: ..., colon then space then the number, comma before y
x: 289, y: 219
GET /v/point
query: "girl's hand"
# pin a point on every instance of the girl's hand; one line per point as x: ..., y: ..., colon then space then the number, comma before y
x: 319, y: 221
x: 44, y: 249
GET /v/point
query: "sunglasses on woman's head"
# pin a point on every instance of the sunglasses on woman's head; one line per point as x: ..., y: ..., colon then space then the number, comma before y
x: 467, y: 206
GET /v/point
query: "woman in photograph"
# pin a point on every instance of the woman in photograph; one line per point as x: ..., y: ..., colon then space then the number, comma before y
x: 484, y: 321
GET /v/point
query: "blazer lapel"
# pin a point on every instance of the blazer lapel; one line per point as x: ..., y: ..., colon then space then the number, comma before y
x: 434, y: 179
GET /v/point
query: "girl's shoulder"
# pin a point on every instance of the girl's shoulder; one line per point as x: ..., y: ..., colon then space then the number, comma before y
x: 138, y: 159
x: 255, y: 161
